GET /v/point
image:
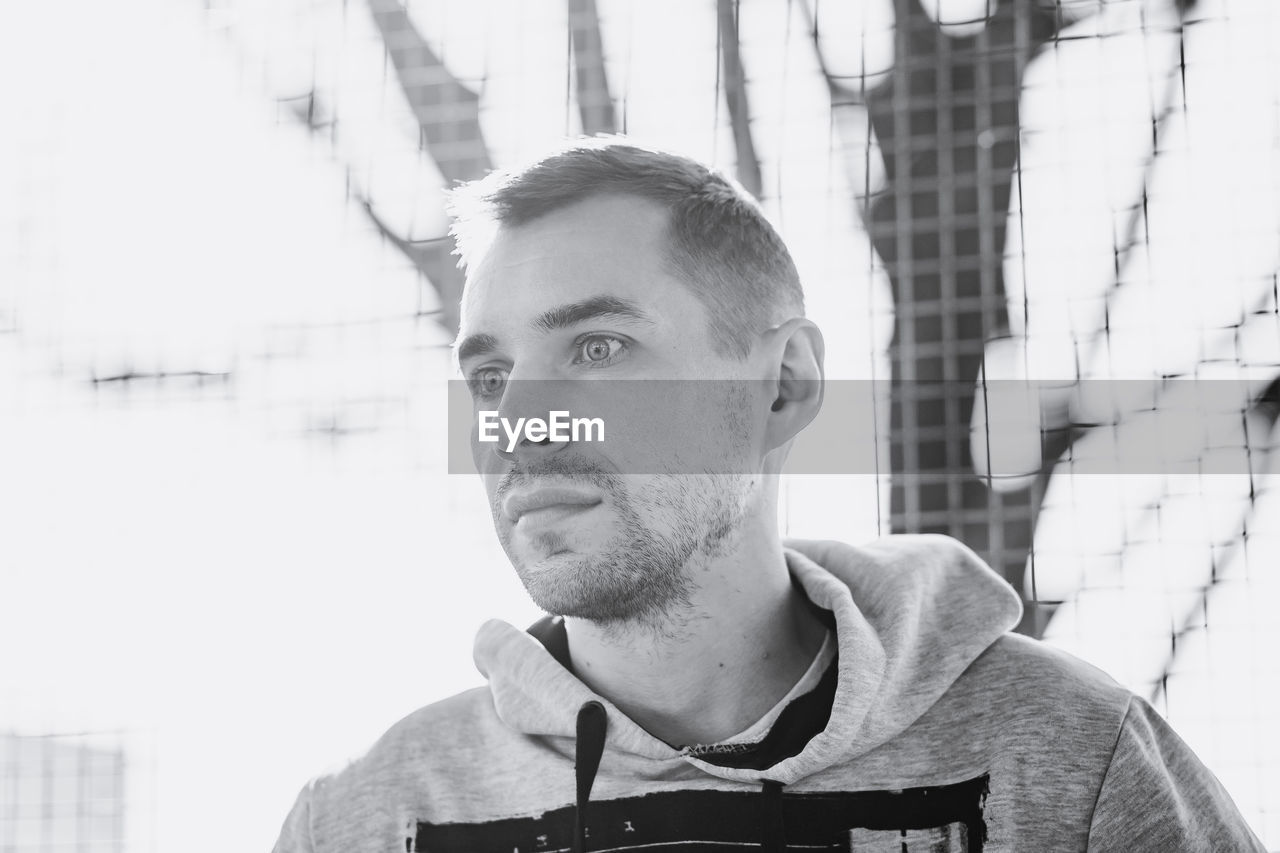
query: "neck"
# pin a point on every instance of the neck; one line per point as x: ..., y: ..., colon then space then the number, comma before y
x: 720, y: 664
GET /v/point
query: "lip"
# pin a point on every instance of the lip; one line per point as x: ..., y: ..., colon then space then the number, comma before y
x: 560, y: 497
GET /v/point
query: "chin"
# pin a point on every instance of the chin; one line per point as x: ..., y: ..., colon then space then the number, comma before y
x: 565, y: 564
x: 558, y: 583
x: 529, y: 553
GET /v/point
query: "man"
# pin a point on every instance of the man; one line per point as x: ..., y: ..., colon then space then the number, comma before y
x: 708, y: 687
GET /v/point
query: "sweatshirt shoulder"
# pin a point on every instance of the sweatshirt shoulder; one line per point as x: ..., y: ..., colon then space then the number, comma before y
x: 1046, y: 679
x: 438, y: 723
x: 369, y: 803
x: 424, y: 739
x: 434, y: 728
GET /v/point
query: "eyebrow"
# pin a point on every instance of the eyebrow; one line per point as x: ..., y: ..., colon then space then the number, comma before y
x: 560, y: 317
x: 475, y: 345
x: 612, y: 307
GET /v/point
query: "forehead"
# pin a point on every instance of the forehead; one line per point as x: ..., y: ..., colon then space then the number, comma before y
x: 601, y: 246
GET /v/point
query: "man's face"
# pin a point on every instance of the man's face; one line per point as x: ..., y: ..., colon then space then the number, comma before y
x: 606, y: 530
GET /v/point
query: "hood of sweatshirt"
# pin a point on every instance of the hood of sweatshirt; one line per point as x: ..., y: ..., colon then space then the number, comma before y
x: 911, y: 614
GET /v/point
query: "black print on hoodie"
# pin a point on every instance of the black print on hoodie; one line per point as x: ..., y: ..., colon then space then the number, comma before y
x: 942, y: 819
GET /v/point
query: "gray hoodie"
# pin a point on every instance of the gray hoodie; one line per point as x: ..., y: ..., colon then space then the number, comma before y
x: 946, y: 733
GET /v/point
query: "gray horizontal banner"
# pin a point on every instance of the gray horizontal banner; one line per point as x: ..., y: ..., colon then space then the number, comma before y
x: 1179, y: 427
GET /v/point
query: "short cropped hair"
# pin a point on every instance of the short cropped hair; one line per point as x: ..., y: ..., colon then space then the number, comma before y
x: 720, y: 244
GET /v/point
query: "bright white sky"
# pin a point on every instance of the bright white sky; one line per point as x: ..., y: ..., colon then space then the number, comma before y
x: 256, y: 605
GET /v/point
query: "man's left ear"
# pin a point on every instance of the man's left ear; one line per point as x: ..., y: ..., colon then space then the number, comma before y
x: 796, y: 349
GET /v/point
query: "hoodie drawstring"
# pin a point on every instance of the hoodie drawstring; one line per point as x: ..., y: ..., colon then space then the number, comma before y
x: 592, y: 722
x: 773, y: 832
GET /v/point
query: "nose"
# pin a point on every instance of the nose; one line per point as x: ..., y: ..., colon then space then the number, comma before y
x: 527, y: 449
x: 527, y: 405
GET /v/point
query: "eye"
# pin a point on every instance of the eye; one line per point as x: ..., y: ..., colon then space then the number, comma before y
x: 598, y: 349
x: 487, y: 382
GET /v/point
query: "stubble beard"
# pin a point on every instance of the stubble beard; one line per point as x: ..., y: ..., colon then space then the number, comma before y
x: 643, y: 576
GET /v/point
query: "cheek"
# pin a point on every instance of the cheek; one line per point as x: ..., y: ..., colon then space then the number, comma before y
x: 643, y: 443
x: 691, y: 443
x: 714, y: 431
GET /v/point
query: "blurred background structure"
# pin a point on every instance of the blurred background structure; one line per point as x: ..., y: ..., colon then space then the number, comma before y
x: 227, y: 294
x: 62, y: 792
